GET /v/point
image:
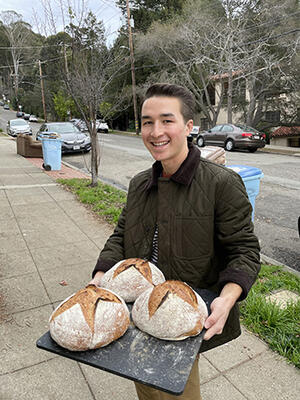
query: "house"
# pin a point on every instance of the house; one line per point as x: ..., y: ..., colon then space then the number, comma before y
x: 286, y: 136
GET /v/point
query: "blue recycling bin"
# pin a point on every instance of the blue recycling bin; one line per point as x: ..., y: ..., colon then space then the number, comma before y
x: 51, y: 145
x: 251, y: 177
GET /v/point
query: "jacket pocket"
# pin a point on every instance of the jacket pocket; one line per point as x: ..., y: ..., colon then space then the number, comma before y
x: 193, y: 237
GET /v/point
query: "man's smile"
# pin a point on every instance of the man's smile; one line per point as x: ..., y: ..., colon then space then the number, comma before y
x: 158, y: 144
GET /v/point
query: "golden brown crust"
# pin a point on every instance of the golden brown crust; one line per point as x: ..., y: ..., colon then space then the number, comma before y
x: 87, y: 298
x: 141, y: 265
x: 160, y: 293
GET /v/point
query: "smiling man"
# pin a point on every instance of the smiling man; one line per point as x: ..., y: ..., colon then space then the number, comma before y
x: 189, y: 216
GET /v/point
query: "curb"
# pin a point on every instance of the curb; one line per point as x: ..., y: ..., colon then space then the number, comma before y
x: 268, y: 260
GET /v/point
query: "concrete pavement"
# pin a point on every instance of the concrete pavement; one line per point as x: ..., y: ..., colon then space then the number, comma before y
x: 49, y: 243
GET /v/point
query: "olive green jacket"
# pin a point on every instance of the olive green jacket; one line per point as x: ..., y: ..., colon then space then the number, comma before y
x: 205, y: 232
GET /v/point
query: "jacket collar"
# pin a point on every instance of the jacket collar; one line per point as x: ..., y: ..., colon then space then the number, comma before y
x: 185, y: 172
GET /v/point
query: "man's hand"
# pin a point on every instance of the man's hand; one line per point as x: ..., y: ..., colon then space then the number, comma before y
x: 220, y: 309
x: 97, y: 279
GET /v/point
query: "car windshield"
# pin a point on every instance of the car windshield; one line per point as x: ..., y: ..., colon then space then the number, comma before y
x: 63, y: 128
x: 247, y: 128
x: 18, y: 123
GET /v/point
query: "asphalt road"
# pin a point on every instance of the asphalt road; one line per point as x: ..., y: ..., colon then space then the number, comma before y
x: 277, y: 206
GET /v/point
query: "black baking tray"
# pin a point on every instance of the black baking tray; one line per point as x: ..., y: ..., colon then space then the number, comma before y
x: 161, y: 364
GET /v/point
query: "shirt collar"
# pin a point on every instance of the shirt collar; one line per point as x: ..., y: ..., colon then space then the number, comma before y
x: 185, y: 172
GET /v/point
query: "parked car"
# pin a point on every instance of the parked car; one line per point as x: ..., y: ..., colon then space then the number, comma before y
x: 232, y: 137
x: 33, y: 118
x: 26, y: 116
x: 6, y: 107
x: 81, y: 125
x: 1, y: 103
x: 101, y: 126
x: 72, y: 139
x: 19, y: 114
x: 195, y: 131
x: 16, y: 126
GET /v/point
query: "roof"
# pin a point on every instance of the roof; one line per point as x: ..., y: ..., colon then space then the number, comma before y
x: 285, y: 131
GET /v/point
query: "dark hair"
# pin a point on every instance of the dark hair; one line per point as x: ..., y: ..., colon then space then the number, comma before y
x: 170, y: 90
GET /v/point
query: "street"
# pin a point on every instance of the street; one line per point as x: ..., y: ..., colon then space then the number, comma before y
x: 277, y: 206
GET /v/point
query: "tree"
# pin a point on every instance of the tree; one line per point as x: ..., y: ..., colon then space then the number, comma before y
x: 63, y: 105
x: 145, y: 12
x: 17, y: 33
x: 89, y: 76
x: 221, y: 46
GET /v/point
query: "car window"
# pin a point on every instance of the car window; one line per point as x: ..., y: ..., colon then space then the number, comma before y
x: 216, y: 128
x: 227, y: 128
x: 63, y: 128
x: 18, y: 123
x: 247, y: 128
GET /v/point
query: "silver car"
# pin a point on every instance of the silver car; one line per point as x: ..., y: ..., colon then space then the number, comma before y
x: 16, y: 126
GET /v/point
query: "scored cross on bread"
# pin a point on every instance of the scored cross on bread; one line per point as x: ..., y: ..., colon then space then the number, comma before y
x: 87, y: 298
x: 162, y: 291
x: 140, y: 265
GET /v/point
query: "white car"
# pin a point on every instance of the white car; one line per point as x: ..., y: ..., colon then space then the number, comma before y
x: 33, y: 118
x: 16, y: 126
x: 101, y: 126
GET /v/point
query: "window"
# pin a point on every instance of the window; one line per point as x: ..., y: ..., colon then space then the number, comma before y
x: 272, y: 116
x: 227, y: 128
x: 216, y: 128
x: 204, y: 124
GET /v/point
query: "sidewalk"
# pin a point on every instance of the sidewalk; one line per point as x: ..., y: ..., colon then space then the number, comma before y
x: 49, y: 244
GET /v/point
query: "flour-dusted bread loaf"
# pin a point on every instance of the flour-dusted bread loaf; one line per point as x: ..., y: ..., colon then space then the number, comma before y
x: 129, y: 278
x: 170, y: 311
x: 92, y: 317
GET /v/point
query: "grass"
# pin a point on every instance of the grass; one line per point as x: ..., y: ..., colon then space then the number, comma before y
x: 280, y: 328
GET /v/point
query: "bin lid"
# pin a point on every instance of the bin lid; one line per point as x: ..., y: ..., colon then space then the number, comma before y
x: 245, y: 171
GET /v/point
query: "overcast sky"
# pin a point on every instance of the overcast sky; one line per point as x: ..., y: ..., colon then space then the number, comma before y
x: 105, y: 10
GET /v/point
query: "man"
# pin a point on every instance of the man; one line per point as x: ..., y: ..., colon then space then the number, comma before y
x: 191, y: 217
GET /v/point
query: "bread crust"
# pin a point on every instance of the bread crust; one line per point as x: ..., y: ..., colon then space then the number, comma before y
x: 129, y: 278
x: 90, y: 318
x: 170, y: 311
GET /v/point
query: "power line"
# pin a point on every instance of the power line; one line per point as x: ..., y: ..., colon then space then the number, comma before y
x: 271, y: 37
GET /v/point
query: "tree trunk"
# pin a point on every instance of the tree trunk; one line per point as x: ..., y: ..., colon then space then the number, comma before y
x: 94, y: 157
x: 229, y: 98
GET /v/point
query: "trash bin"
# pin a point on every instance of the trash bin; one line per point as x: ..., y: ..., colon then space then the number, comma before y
x: 251, y: 177
x: 51, y: 144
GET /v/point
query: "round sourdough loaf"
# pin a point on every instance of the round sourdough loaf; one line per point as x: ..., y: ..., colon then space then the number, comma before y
x: 92, y: 317
x: 129, y: 278
x: 170, y: 311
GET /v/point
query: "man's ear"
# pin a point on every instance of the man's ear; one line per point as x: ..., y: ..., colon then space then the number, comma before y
x: 189, y: 126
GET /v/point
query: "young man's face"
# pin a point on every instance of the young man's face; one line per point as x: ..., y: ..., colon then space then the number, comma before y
x: 164, y: 131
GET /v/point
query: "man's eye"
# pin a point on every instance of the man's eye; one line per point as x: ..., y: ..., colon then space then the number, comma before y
x: 167, y: 121
x: 147, y: 123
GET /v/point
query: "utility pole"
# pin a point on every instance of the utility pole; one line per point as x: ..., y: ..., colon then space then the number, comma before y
x: 42, y: 89
x: 132, y: 70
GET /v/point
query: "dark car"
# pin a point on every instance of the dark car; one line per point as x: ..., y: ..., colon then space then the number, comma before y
x: 19, y: 114
x: 72, y: 139
x: 232, y: 137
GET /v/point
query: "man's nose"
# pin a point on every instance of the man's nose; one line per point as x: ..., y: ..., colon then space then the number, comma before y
x: 157, y: 129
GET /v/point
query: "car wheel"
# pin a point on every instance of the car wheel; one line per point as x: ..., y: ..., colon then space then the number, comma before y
x: 252, y: 149
x: 200, y: 141
x: 229, y: 145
